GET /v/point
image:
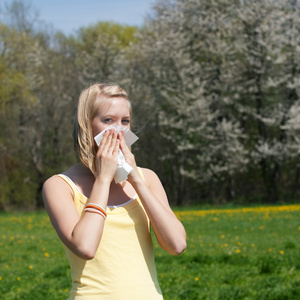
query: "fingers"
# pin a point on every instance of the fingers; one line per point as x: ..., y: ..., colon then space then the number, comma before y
x: 107, y: 155
x: 117, y: 146
x: 125, y: 149
x: 122, y: 142
x: 103, y: 142
x: 134, y: 176
x: 109, y: 142
x: 112, y: 142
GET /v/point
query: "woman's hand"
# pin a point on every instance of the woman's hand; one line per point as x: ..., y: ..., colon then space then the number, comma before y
x: 107, y: 156
x: 74, y: 230
x: 129, y: 158
x: 169, y: 231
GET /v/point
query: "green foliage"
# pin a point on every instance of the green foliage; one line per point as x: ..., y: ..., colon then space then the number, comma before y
x: 124, y: 34
x: 231, y: 254
x: 214, y: 91
x: 13, y: 85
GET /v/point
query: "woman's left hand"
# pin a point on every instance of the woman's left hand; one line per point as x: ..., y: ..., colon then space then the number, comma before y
x: 168, y: 229
x: 129, y: 158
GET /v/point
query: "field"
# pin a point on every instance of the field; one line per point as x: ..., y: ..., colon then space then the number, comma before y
x: 241, y: 253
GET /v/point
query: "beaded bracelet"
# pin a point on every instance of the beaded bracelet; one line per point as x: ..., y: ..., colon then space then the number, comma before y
x: 95, y: 208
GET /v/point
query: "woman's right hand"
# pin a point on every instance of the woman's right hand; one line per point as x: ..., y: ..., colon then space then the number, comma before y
x: 73, y: 229
x: 107, y: 156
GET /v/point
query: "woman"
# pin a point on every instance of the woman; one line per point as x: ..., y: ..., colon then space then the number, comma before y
x: 105, y: 226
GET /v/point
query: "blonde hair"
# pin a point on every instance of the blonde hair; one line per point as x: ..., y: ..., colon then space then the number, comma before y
x: 88, y: 105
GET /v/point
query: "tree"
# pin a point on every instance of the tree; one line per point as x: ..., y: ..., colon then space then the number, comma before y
x: 184, y: 50
x: 260, y: 85
x: 38, y: 112
x: 99, y: 47
x: 16, y: 98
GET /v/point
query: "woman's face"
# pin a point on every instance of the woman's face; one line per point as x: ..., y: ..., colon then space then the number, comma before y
x: 111, y: 111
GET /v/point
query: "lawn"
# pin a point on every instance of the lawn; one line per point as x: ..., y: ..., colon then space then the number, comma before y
x: 242, y: 253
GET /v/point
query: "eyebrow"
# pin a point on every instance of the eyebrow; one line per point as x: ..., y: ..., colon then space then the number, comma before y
x: 110, y: 115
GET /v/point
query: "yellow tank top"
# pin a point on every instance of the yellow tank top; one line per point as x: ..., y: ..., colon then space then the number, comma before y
x: 123, y: 267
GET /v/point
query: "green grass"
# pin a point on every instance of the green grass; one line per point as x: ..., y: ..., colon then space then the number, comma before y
x: 231, y: 254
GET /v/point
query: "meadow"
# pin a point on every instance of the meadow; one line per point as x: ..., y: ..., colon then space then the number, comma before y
x: 238, y: 253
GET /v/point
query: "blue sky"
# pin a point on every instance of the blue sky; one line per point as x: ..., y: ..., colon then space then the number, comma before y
x: 70, y: 15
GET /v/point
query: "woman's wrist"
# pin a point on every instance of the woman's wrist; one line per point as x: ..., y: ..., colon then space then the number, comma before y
x: 135, y: 179
x: 102, y: 180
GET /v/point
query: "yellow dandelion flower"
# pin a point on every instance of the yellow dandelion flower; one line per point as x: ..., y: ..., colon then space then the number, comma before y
x: 237, y: 251
x: 222, y: 236
x: 46, y: 254
x: 30, y: 267
x: 18, y: 278
x: 270, y: 249
x: 281, y: 252
x: 197, y: 279
x: 252, y: 245
x: 0, y: 278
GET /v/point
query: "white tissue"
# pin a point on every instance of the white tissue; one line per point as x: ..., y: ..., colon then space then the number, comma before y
x: 123, y: 167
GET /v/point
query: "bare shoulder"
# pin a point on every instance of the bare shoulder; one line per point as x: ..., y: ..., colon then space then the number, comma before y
x: 58, y: 198
x: 148, y: 172
x: 53, y: 181
x: 154, y: 183
x: 150, y: 176
x: 55, y: 185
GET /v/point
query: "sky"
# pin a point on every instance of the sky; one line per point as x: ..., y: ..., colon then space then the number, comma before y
x: 70, y: 15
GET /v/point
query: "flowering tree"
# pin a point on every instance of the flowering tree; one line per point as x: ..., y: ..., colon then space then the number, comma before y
x: 262, y: 83
x: 223, y: 75
x: 185, y: 52
x: 214, y: 87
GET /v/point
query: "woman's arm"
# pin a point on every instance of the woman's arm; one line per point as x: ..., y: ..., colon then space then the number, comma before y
x: 82, y: 235
x: 169, y: 231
